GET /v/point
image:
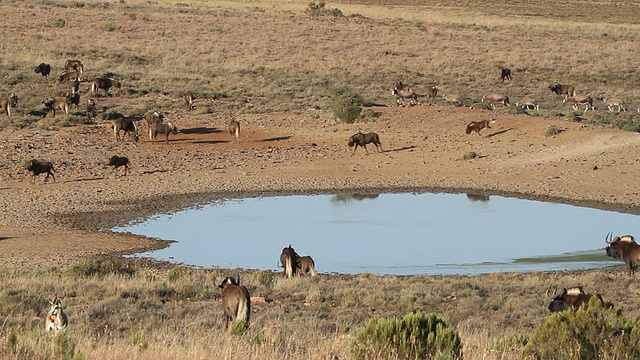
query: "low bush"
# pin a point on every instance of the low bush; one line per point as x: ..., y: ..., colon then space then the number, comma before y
x: 415, y: 336
x: 345, y: 104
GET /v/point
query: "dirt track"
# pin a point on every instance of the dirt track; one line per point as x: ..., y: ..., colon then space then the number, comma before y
x: 301, y: 152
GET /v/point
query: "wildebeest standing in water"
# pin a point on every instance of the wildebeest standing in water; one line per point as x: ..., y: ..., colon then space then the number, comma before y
x: 119, y: 161
x: 37, y: 167
x: 361, y: 139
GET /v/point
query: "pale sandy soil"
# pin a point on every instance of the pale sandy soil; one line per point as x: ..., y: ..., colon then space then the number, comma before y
x: 283, y: 153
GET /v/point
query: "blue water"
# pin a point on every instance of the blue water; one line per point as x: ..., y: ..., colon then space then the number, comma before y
x: 404, y: 233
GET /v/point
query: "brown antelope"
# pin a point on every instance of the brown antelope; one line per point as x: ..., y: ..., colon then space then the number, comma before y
x: 478, y: 125
x: 585, y: 100
x: 528, y: 104
x: 493, y: 99
x: 236, y: 301
x: 7, y: 105
x: 614, y: 102
x: 188, y: 98
x: 56, y: 318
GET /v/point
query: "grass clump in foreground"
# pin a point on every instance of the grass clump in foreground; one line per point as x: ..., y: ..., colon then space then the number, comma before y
x: 415, y: 336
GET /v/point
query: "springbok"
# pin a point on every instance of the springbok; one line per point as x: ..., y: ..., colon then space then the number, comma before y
x: 56, y: 318
x: 236, y: 301
x: 289, y: 261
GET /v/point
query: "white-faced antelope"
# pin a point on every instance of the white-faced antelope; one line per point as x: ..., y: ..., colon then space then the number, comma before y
x: 585, y: 100
x: 613, y: 102
x: 56, y: 318
x: 493, y: 99
x: 236, y: 301
x: 403, y: 92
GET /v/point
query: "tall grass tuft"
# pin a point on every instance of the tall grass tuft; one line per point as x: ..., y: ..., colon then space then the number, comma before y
x: 415, y: 336
x: 345, y: 104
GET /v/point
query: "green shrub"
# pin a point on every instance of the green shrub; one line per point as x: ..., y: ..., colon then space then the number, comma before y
x: 102, y: 267
x: 139, y: 340
x: 175, y: 274
x: 594, y: 332
x: 238, y: 327
x: 345, y: 104
x: 552, y: 131
x: 318, y: 9
x: 57, y: 22
x: 110, y: 27
x: 415, y: 336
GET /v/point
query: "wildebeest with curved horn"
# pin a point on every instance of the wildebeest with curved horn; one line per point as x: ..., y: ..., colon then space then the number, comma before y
x: 572, y: 298
x: 236, y: 301
x: 624, y: 247
x: 289, y: 261
x: 361, y: 139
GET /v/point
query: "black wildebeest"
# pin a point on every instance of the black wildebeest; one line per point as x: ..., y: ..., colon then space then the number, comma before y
x: 361, y: 139
x: 127, y: 126
x: 478, y: 125
x: 44, y: 70
x: 91, y: 110
x: 289, y: 261
x: 236, y: 301
x: 104, y: 84
x: 234, y: 128
x: 624, y: 247
x: 559, y: 89
x: 74, y: 65
x: 305, y: 265
x: 37, y: 167
x: 572, y: 298
x: 505, y: 74
x: 119, y: 161
x: 7, y: 105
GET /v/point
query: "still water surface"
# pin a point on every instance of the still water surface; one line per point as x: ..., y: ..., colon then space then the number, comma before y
x: 405, y: 233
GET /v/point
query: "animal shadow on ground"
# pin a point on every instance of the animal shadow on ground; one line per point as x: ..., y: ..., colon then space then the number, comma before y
x: 200, y: 130
x: 154, y: 171
x: 404, y: 148
x: 499, y: 132
x: 279, y: 138
x: 83, y: 179
x: 5, y: 237
x: 38, y: 113
x: 210, y: 141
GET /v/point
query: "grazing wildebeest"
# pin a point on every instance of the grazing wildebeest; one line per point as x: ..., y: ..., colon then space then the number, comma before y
x: 57, y: 104
x: 234, y: 128
x: 405, y: 93
x: 74, y: 98
x: 37, y: 167
x: 69, y: 76
x: 361, y: 139
x: 478, y: 125
x: 567, y: 90
x: 56, y: 318
x: 91, y: 110
x: 528, y: 104
x: 624, y: 247
x: 104, y: 84
x: 162, y: 129
x: 74, y: 65
x: 44, y: 70
x: 493, y: 99
x: 7, y: 105
x: 188, y: 98
x: 611, y: 102
x: 306, y: 265
x: 572, y: 298
x: 119, y: 161
x: 505, y: 74
x: 585, y: 100
x: 126, y: 126
x: 289, y: 261
x: 236, y: 301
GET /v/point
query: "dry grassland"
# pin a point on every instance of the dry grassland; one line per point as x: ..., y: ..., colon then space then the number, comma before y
x: 257, y: 57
